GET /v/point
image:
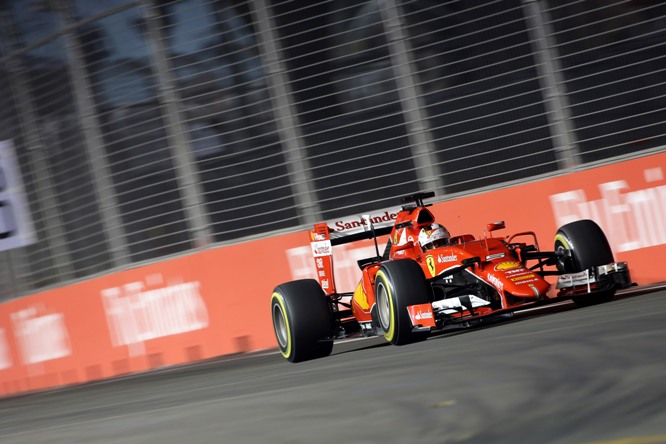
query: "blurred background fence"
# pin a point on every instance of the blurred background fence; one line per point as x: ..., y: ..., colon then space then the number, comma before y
x: 145, y: 129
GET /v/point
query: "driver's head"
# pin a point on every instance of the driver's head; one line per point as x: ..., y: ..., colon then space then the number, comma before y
x: 433, y: 236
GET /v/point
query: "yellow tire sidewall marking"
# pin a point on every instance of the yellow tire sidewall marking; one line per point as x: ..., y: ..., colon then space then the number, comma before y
x: 563, y: 240
x: 280, y: 300
x: 390, y: 334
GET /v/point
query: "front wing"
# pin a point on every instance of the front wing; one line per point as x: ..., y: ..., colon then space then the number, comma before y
x: 605, y: 278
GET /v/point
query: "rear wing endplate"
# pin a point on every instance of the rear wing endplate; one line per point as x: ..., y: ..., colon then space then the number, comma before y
x: 322, y: 250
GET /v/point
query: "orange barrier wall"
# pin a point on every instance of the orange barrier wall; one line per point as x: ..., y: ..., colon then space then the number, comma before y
x: 215, y: 302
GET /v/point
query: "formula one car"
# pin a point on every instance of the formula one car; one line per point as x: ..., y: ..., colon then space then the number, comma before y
x: 427, y: 281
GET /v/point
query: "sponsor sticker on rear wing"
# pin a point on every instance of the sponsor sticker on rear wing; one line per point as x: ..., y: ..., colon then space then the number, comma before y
x: 367, y: 226
x: 359, y: 224
x: 327, y: 234
x: 322, y: 251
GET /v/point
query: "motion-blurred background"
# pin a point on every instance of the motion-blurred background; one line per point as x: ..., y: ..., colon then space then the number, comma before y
x: 145, y: 129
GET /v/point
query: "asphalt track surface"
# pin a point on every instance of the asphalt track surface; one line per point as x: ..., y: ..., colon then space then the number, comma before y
x: 564, y: 375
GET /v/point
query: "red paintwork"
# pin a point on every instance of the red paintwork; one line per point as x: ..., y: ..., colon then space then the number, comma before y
x: 501, y: 266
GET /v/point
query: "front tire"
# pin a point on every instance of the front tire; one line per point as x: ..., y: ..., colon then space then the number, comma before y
x: 399, y: 284
x: 588, y: 248
x: 302, y: 320
x: 586, y: 242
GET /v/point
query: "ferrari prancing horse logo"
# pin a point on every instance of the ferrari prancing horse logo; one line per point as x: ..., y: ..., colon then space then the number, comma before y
x: 430, y: 261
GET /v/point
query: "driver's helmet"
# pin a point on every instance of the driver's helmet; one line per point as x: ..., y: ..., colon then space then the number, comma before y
x: 433, y: 236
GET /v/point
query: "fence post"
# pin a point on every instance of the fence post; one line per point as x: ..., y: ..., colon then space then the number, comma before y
x: 55, y: 241
x: 187, y: 176
x: 416, y: 120
x: 101, y: 178
x: 552, y: 85
x: 293, y: 145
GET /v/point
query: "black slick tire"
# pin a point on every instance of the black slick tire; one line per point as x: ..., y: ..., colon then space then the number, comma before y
x: 588, y: 247
x: 302, y: 320
x: 399, y: 284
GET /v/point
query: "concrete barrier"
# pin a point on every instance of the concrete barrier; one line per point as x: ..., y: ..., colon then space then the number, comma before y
x: 216, y: 302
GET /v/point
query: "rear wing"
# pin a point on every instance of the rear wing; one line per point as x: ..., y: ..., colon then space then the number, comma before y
x: 322, y: 240
x: 369, y: 234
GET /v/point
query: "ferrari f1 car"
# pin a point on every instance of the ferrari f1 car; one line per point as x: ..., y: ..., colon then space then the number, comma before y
x: 410, y: 291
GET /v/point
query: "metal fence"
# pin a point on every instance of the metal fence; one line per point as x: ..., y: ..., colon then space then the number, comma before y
x: 145, y: 129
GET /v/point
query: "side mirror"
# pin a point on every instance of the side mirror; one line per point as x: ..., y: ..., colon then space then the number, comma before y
x: 470, y: 261
x: 404, y: 246
x: 495, y: 226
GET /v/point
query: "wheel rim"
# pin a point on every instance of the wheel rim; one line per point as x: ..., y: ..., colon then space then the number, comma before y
x: 564, y: 264
x: 561, y: 265
x: 383, y: 306
x: 280, y: 325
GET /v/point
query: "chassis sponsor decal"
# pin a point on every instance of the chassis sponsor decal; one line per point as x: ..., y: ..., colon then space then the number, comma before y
x: 443, y: 258
x: 507, y: 265
x: 495, y: 281
x: 524, y: 278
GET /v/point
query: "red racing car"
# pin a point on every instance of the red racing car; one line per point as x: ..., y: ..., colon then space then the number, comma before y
x: 427, y: 280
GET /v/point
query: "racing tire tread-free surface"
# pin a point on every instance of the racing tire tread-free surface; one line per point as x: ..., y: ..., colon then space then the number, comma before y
x: 302, y: 320
x: 399, y: 284
x: 589, y: 248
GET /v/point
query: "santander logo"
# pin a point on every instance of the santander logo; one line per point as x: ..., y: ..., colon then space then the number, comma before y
x: 352, y: 223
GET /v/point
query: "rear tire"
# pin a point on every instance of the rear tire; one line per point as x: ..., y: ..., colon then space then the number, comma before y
x: 399, y: 284
x: 589, y: 247
x: 302, y: 320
